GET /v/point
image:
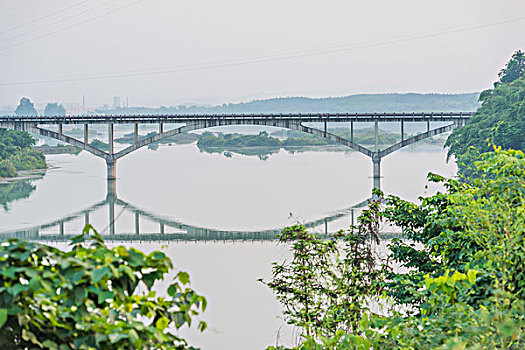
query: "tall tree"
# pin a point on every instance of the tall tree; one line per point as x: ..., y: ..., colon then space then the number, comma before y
x: 25, y: 107
x: 514, y: 69
x: 54, y: 109
x: 499, y: 120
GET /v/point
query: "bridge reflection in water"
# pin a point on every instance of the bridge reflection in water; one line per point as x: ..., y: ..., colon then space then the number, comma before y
x: 115, y: 207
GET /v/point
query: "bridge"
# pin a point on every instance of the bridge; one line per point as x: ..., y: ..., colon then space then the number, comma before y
x: 184, y: 123
x: 58, y: 231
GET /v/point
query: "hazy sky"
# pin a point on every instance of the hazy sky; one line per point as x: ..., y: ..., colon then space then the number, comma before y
x: 166, y: 52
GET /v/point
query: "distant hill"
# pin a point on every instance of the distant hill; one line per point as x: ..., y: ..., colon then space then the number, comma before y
x: 410, y: 102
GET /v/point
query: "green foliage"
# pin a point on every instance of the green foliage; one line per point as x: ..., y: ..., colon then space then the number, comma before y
x: 325, y: 286
x: 28, y: 158
x: 92, y: 297
x: 16, y: 152
x: 499, y: 120
x: 514, y: 69
x: 54, y: 109
x: 7, y: 169
x: 264, y: 145
x: 100, y: 145
x: 464, y: 254
x: 228, y: 141
x: 25, y: 108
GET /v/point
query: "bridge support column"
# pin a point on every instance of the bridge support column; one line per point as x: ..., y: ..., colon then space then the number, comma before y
x: 111, y: 193
x: 137, y: 223
x: 112, y: 169
x: 111, y: 205
x: 402, y: 131
x: 351, y: 131
x: 376, y: 131
x: 110, y: 139
x: 376, y: 160
x: 86, y: 134
x: 136, y: 133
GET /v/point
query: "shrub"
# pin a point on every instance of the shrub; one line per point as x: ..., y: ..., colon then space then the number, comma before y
x: 89, y: 297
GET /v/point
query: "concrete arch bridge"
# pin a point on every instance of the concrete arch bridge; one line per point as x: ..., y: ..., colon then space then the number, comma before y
x: 184, y: 123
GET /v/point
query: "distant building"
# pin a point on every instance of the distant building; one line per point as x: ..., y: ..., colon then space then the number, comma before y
x: 116, y: 102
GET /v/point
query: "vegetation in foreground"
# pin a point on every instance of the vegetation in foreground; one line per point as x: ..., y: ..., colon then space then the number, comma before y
x: 91, y: 297
x: 464, y: 254
x: 462, y: 257
x: 17, y: 153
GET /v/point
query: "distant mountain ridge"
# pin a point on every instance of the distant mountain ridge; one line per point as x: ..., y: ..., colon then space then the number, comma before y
x: 392, y: 102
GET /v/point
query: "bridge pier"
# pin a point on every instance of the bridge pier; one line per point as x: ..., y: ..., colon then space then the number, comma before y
x: 112, y: 169
x: 86, y: 134
x: 376, y: 160
x: 111, y: 189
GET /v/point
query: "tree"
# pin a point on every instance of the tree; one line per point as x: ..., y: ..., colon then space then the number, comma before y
x: 54, y: 109
x: 25, y: 108
x: 514, y: 69
x: 326, y: 286
x: 89, y: 297
x: 499, y: 120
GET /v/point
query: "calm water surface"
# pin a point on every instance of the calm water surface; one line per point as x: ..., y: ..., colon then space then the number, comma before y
x: 210, y: 194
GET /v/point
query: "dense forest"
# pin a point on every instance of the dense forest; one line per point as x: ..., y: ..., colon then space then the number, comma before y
x: 17, y: 153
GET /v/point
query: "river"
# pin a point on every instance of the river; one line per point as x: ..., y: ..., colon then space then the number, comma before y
x: 178, y: 189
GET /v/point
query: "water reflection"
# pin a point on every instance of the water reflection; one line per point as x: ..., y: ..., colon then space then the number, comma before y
x: 169, y: 229
x: 13, y: 191
x: 263, y: 153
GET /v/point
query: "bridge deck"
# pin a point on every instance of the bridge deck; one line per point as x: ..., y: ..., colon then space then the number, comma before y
x: 300, y: 117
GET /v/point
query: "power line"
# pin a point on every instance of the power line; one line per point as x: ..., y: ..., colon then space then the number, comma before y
x: 280, y: 57
x: 43, y: 17
x: 51, y: 24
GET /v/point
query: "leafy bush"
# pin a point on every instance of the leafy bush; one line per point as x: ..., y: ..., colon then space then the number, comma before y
x: 465, y: 255
x: 7, y: 169
x: 325, y: 287
x: 100, y: 145
x: 92, y: 297
x: 16, y: 147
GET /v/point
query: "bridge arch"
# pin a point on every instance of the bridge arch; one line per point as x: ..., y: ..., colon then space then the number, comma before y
x: 196, y: 122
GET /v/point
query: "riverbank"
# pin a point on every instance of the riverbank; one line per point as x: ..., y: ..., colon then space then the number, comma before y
x: 24, y: 175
